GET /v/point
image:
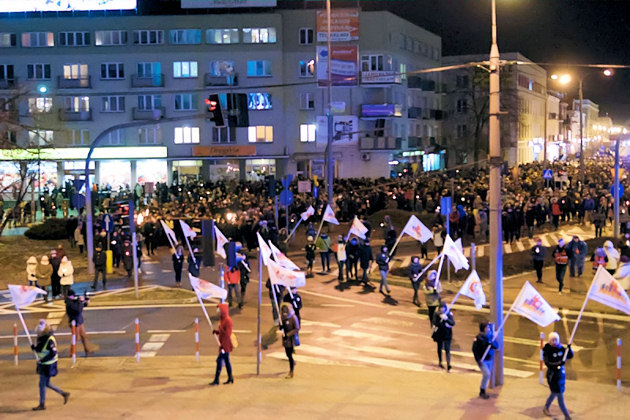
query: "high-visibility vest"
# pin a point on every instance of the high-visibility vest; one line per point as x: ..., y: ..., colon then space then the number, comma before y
x: 599, y: 260
x: 45, y: 351
x: 561, y: 257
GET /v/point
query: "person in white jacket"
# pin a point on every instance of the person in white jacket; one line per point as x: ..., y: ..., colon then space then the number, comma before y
x: 341, y: 256
x: 66, y: 273
x: 613, y: 257
x: 31, y: 271
x: 622, y: 275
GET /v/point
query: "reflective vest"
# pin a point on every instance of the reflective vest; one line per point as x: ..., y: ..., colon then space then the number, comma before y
x: 598, y: 260
x: 561, y: 257
x: 45, y: 351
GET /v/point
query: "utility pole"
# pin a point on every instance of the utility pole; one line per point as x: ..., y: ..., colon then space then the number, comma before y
x: 330, y: 164
x: 495, y: 162
x: 616, y: 189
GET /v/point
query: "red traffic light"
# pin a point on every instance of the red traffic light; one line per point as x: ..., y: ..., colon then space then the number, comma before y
x: 212, y: 105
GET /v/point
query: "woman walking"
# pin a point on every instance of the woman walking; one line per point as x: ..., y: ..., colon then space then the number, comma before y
x: 46, y: 349
x: 553, y: 355
x: 432, y: 291
x: 224, y: 334
x: 290, y: 328
x: 443, y: 323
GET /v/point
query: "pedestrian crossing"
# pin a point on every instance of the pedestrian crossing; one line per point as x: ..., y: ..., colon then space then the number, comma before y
x: 153, y: 345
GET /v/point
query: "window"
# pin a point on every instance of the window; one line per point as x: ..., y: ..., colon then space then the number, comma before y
x: 186, y: 135
x: 74, y: 39
x: 224, y: 134
x: 148, y: 37
x: 376, y: 62
x: 75, y: 71
x: 149, y: 69
x: 149, y: 102
x: 113, y: 104
x: 260, y: 134
x: 114, y: 138
x: 40, y: 137
x: 259, y: 35
x: 462, y: 130
x: 185, y: 102
x: 112, y: 71
x: 7, y: 39
x: 307, y: 68
x: 79, y: 137
x: 258, y: 101
x: 110, y: 38
x: 307, y: 100
x: 462, y: 105
x: 403, y: 71
x: 149, y: 135
x: 6, y: 72
x: 259, y: 68
x: 77, y: 103
x: 221, y: 68
x: 183, y: 69
x: 38, y: 39
x: 222, y: 36
x: 306, y: 36
x: 38, y: 71
x: 307, y: 133
x: 39, y: 104
x: 184, y: 36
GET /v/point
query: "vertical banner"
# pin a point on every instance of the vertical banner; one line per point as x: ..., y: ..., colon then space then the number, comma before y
x: 344, y: 62
x: 344, y: 25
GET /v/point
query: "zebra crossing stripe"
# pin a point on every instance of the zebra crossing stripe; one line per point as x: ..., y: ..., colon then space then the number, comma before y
x: 481, y: 250
x: 405, y: 262
x: 545, y: 242
x: 520, y: 246
x: 507, y: 249
x: 155, y: 343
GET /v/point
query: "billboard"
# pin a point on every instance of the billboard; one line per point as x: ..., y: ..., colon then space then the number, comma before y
x: 226, y: 4
x: 65, y: 5
x: 345, y: 129
x: 344, y: 25
x: 344, y: 63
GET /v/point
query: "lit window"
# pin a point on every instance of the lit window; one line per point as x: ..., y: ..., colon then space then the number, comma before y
x: 110, y: 38
x: 38, y: 39
x: 77, y: 103
x: 260, y: 134
x: 259, y: 68
x: 186, y: 135
x: 184, y: 69
x: 259, y: 35
x: 75, y: 71
x: 7, y: 39
x: 307, y: 68
x: 307, y: 133
x: 221, y: 68
x: 259, y: 101
x: 39, y: 104
x: 222, y: 36
x: 40, y: 137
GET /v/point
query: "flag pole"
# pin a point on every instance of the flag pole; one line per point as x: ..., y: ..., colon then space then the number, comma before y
x: 437, y: 278
x: 396, y: 244
x: 459, y: 292
x: 579, y: 318
x: 190, y: 249
x: 494, y: 336
x: 275, y: 301
x: 294, y: 229
x: 424, y: 270
x: 170, y: 241
x: 205, y: 312
x: 28, y: 334
x: 320, y: 229
x: 258, y: 336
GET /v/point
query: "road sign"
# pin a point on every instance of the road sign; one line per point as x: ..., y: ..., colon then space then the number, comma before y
x: 547, y: 174
x: 445, y: 206
x: 78, y: 201
x: 612, y: 190
x: 304, y: 186
x: 108, y: 223
x: 286, y: 196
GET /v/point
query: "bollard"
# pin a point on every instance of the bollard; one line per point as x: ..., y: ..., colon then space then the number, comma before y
x: 540, y: 374
x: 73, y: 345
x: 137, y: 340
x: 15, y: 345
x: 619, y: 364
x: 197, y: 338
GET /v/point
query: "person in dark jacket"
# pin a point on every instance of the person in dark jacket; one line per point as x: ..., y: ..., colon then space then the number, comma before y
x: 561, y: 258
x: 577, y: 250
x: 245, y: 269
x: 224, y: 334
x: 178, y: 265
x: 290, y: 327
x: 382, y: 260
x: 365, y: 259
x: 116, y: 244
x: 309, y: 249
x: 390, y: 239
x: 295, y: 300
x: 100, y: 263
x: 443, y: 323
x: 553, y: 356
x: 539, y: 252
x: 415, y: 268
x: 485, y: 339
x: 432, y: 290
x: 74, y: 310
x: 352, y: 254
x: 193, y: 264
x: 55, y: 279
x: 46, y: 349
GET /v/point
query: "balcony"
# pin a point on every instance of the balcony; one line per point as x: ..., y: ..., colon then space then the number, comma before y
x: 414, y: 112
x: 414, y: 142
x: 149, y: 114
x: 73, y: 115
x: 82, y: 82
x: 380, y: 143
x: 380, y: 78
x: 7, y: 83
x: 380, y: 111
x: 155, y: 80
x: 436, y: 114
x: 210, y: 79
x: 415, y: 82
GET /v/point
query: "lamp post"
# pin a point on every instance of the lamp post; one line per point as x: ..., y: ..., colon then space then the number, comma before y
x: 495, y: 161
x: 330, y: 164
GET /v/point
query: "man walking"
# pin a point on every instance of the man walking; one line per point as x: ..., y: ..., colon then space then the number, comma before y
x: 577, y: 250
x: 561, y: 258
x: 100, y: 262
x: 74, y: 310
x: 484, y: 340
x: 539, y: 253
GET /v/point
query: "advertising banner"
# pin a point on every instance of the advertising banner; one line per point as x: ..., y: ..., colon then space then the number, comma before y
x: 226, y: 4
x: 65, y: 5
x: 344, y: 63
x: 344, y: 25
x: 345, y: 129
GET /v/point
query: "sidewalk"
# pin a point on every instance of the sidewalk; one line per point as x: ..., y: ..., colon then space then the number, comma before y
x: 177, y: 388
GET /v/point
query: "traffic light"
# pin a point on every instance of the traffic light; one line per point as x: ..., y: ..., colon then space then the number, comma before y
x: 213, y: 105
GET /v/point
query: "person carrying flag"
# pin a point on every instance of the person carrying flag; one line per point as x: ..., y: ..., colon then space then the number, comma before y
x: 224, y: 334
x: 443, y: 333
x: 46, y: 349
x: 553, y: 356
x: 484, y: 340
x: 382, y: 260
x: 415, y: 269
x: 561, y: 258
x: 310, y: 255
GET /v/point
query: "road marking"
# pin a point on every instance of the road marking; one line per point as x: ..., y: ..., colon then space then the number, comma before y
x: 512, y: 359
x: 319, y: 324
x: 384, y: 351
x: 545, y: 242
x: 243, y: 331
x: 358, y: 302
x: 155, y: 343
x: 337, y: 305
x: 481, y: 251
x: 159, y: 338
x: 389, y: 321
x: 165, y: 331
x: 520, y: 246
x: 507, y: 249
x: 413, y: 315
x: 405, y: 262
x: 372, y: 327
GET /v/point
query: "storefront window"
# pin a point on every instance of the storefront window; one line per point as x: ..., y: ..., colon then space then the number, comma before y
x: 259, y: 168
x: 115, y: 173
x: 224, y: 169
x: 151, y: 170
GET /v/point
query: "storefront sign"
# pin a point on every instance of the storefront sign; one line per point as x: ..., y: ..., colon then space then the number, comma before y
x: 380, y: 77
x: 344, y: 63
x: 200, y: 151
x: 344, y: 25
x: 74, y: 153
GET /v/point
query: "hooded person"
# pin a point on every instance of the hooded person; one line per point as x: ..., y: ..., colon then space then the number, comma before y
x: 613, y: 257
x: 290, y: 326
x: 44, y: 271
x: 66, y: 274
x: 310, y: 255
x: 352, y: 261
x: 31, y: 271
x: 54, y: 277
x: 224, y: 334
x: 342, y: 256
x: 561, y: 258
x: 415, y: 269
x: 622, y: 275
x: 432, y: 291
x: 46, y: 349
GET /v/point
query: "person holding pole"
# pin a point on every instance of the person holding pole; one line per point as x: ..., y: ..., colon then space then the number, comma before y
x: 443, y: 333
x: 484, y: 344
x: 341, y: 256
x: 432, y: 291
x: 74, y: 310
x: 46, y: 349
x: 290, y: 326
x: 415, y: 271
x: 561, y: 258
x: 382, y: 260
x: 178, y: 265
x: 554, y: 358
x: 224, y: 334
x: 352, y: 262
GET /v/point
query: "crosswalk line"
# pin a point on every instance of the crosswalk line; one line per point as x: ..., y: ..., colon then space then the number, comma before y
x: 370, y: 327
x: 545, y: 242
x: 405, y: 262
x: 520, y: 246
x: 507, y: 249
x: 153, y: 345
x: 389, y: 321
x: 481, y: 251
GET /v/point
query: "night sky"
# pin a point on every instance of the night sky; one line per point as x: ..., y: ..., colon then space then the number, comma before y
x: 545, y: 31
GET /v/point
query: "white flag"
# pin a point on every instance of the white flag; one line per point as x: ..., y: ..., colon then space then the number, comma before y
x: 186, y: 230
x: 455, y: 256
x: 169, y: 232
x: 606, y: 290
x: 329, y: 215
x: 205, y: 289
x: 417, y: 230
x: 530, y: 304
x: 308, y: 213
x: 472, y: 288
x: 221, y: 240
x: 284, y: 276
x: 357, y: 228
x: 282, y: 259
x: 265, y: 251
x: 24, y: 295
x: 458, y: 244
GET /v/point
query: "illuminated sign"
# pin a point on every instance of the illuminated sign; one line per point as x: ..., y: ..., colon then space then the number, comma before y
x: 65, y: 5
x: 226, y: 4
x: 381, y: 110
x: 344, y: 65
x: 222, y: 151
x: 344, y: 25
x: 74, y: 153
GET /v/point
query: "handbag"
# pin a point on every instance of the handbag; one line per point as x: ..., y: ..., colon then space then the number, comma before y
x: 234, y: 340
x: 435, y: 334
x: 296, y: 340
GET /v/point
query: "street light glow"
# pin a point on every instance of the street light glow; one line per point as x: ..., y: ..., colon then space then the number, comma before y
x: 608, y: 72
